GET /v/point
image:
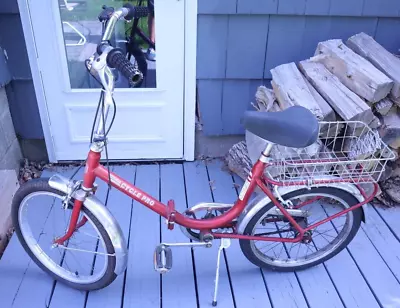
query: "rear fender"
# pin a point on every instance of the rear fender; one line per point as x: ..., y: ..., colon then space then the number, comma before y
x: 262, y: 200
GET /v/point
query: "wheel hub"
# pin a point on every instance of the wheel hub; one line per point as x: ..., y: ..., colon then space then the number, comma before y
x: 307, y: 237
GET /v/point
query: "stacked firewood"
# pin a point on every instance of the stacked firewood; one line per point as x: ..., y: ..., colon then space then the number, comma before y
x: 354, y: 81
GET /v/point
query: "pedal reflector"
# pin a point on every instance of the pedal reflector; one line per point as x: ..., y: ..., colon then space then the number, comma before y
x: 162, y: 259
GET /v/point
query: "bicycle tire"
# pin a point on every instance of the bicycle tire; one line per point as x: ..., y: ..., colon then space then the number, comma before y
x: 337, y: 193
x: 41, y: 185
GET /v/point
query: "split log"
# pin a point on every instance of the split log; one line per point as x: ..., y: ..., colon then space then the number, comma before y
x: 255, y: 146
x: 275, y: 107
x: 384, y: 106
x: 385, y: 61
x: 265, y: 98
x: 290, y: 89
x: 331, y: 130
x: 363, y: 147
x: 327, y: 112
x: 238, y: 160
x: 375, y: 123
x: 396, y: 101
x: 390, y: 191
x: 390, y: 130
x: 355, y: 72
x: 347, y: 104
x: 329, y: 115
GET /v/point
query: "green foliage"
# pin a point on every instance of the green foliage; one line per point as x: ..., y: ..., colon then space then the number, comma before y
x: 90, y: 10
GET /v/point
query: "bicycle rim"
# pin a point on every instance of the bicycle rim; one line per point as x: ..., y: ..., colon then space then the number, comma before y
x: 83, y: 260
x: 325, y: 238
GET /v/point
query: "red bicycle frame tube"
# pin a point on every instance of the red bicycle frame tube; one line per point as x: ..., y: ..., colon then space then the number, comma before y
x: 95, y: 170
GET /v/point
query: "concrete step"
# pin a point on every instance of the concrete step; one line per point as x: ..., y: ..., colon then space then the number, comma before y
x: 8, y: 186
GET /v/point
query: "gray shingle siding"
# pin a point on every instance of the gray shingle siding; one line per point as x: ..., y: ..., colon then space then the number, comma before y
x: 239, y: 41
x: 237, y: 48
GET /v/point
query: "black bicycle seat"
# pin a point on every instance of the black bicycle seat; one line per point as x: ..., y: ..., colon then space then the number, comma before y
x: 294, y: 127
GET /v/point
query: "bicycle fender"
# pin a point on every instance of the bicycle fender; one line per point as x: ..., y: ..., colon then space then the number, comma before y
x: 262, y: 200
x: 99, y: 210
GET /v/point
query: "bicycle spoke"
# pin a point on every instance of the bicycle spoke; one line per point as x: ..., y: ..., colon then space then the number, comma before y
x: 272, y: 247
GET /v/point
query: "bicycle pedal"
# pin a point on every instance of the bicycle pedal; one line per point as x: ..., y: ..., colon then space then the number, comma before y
x: 162, y: 259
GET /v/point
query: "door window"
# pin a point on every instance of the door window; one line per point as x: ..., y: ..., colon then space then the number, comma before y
x: 82, y: 31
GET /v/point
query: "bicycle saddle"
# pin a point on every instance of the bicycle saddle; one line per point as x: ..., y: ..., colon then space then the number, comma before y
x: 295, y: 127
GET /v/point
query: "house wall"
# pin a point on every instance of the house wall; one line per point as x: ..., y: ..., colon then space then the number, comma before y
x: 20, y: 91
x: 10, y: 152
x: 239, y: 41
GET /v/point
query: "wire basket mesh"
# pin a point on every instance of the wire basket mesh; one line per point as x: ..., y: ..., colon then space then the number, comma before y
x: 345, y: 152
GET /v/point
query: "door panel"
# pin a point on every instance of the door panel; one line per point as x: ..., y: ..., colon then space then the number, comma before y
x: 149, y: 121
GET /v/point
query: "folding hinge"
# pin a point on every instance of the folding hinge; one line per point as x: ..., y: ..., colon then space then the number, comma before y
x: 171, y: 214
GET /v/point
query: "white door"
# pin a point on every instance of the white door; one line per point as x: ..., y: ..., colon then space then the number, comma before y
x: 149, y: 121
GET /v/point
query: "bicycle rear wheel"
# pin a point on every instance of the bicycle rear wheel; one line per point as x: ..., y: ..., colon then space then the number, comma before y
x: 86, y: 261
x: 321, y: 244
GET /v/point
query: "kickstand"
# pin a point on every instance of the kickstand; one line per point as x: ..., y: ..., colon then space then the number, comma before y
x: 224, y: 243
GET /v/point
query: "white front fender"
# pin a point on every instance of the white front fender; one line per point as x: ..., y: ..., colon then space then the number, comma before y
x: 262, y: 200
x: 104, y: 216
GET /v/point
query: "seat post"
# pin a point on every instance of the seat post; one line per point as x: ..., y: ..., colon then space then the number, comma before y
x: 266, y: 152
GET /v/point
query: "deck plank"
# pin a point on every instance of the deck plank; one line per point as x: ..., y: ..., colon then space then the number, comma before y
x: 180, y: 280
x: 315, y: 282
x: 77, y: 298
x: 391, y: 216
x: 142, y: 286
x: 318, y: 287
x: 27, y: 283
x: 247, y: 280
x: 350, y: 296
x: 198, y: 190
x: 374, y: 270
x: 37, y: 285
x: 284, y: 288
x: 369, y: 270
x: 344, y: 274
x: 384, y: 241
x: 120, y: 206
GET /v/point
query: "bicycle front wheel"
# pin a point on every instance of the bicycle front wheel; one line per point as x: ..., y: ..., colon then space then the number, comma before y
x: 86, y: 261
x: 320, y: 244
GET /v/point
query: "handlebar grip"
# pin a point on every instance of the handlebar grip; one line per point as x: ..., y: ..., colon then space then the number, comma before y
x: 136, y: 11
x: 116, y: 59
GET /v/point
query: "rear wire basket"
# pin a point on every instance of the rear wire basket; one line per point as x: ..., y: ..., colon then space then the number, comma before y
x: 345, y: 152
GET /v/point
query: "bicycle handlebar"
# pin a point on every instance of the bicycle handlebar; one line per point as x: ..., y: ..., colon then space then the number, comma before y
x: 136, y: 11
x: 130, y: 13
x: 116, y: 59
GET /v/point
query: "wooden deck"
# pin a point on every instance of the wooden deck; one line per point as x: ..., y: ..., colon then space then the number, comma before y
x: 366, y: 274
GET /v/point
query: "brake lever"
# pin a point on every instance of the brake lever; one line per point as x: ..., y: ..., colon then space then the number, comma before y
x: 106, y: 13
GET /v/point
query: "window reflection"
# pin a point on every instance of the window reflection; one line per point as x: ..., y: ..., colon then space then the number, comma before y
x: 82, y: 32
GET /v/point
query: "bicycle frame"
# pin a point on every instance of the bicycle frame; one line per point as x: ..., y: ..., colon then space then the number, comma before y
x: 95, y: 170
x: 97, y: 66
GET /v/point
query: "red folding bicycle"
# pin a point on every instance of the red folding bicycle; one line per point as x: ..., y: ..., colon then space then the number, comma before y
x: 308, y: 205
